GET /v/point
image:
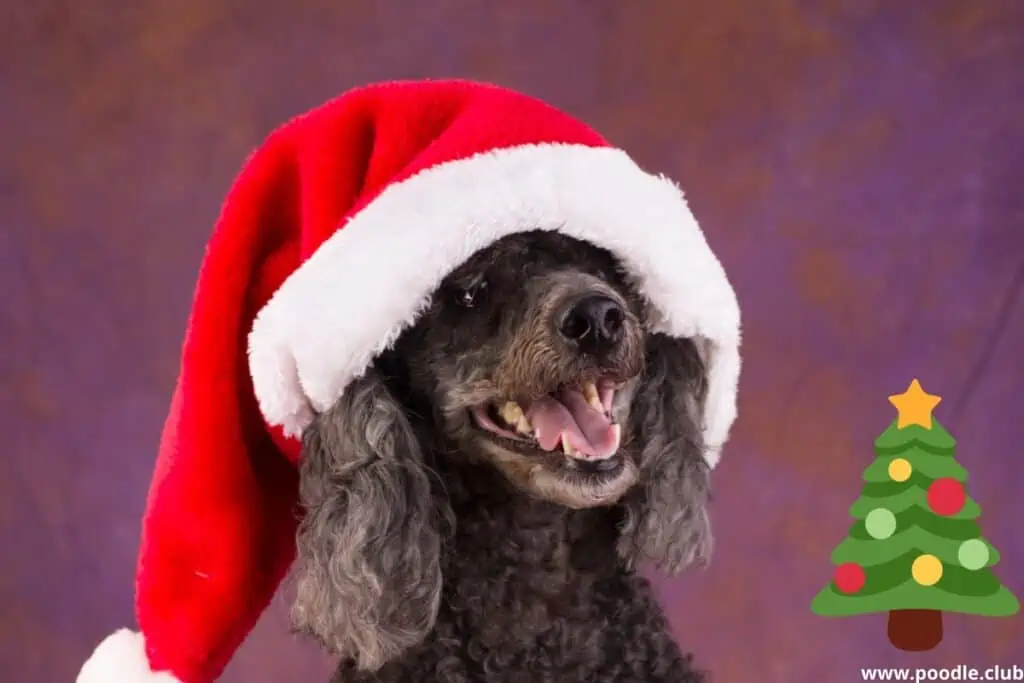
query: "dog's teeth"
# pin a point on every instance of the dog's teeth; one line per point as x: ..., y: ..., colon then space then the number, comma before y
x: 592, y: 396
x: 514, y: 416
x: 524, y: 427
x: 567, y: 447
x: 616, y: 436
x: 511, y: 413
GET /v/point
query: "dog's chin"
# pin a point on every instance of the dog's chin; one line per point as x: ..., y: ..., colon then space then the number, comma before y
x: 565, y: 447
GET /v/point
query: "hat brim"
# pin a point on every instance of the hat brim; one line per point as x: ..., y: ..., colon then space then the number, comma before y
x: 371, y: 279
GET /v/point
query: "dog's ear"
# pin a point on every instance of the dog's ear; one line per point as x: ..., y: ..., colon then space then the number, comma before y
x: 666, y: 519
x: 369, y: 542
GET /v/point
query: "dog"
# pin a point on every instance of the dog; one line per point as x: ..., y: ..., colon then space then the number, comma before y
x: 475, y: 507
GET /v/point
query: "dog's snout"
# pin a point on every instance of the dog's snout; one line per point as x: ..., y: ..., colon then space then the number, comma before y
x: 594, y: 323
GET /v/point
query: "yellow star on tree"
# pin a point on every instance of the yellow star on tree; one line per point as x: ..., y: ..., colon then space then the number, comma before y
x: 915, y: 406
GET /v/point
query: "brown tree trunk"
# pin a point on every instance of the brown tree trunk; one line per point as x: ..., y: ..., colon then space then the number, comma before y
x: 915, y: 630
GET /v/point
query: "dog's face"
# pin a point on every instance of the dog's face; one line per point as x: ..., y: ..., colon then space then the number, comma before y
x: 534, y: 358
x: 529, y: 356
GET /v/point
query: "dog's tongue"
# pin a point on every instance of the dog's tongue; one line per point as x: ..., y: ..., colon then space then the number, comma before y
x: 587, y: 430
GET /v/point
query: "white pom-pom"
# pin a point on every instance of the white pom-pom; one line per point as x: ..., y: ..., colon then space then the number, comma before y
x: 121, y: 658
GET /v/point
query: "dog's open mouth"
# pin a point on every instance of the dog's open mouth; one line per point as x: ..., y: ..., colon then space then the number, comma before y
x: 574, y: 419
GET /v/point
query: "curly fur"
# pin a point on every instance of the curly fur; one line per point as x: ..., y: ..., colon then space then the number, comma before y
x: 666, y: 515
x: 430, y: 554
x: 369, y: 539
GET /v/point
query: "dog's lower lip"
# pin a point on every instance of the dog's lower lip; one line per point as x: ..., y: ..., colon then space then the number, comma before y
x: 606, y: 466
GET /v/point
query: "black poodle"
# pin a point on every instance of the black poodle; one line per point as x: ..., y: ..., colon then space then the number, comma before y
x: 476, y: 505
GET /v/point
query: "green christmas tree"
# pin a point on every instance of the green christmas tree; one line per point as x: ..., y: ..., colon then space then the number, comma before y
x: 915, y: 549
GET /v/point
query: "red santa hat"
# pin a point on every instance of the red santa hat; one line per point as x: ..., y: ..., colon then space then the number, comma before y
x: 329, y: 245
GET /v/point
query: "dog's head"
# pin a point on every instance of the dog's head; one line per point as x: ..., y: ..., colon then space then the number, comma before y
x: 530, y: 354
x: 533, y: 357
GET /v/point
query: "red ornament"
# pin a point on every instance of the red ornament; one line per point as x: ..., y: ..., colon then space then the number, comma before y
x: 849, y: 578
x: 946, y: 496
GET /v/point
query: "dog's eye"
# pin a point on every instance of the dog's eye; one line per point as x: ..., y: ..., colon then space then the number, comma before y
x: 472, y: 294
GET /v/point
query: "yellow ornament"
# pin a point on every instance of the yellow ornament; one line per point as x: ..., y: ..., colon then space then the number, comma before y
x: 926, y: 570
x: 900, y: 469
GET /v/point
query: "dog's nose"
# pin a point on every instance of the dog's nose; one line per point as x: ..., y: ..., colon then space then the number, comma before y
x: 594, y: 323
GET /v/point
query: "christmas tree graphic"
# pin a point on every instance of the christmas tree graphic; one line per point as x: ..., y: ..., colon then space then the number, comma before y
x: 915, y: 549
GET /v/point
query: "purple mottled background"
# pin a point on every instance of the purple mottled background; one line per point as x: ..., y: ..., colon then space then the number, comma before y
x: 857, y: 165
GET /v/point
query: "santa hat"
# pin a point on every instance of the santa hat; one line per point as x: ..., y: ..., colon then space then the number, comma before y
x: 329, y: 245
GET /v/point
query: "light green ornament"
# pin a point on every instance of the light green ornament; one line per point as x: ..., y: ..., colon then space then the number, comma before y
x: 973, y: 554
x: 880, y: 523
